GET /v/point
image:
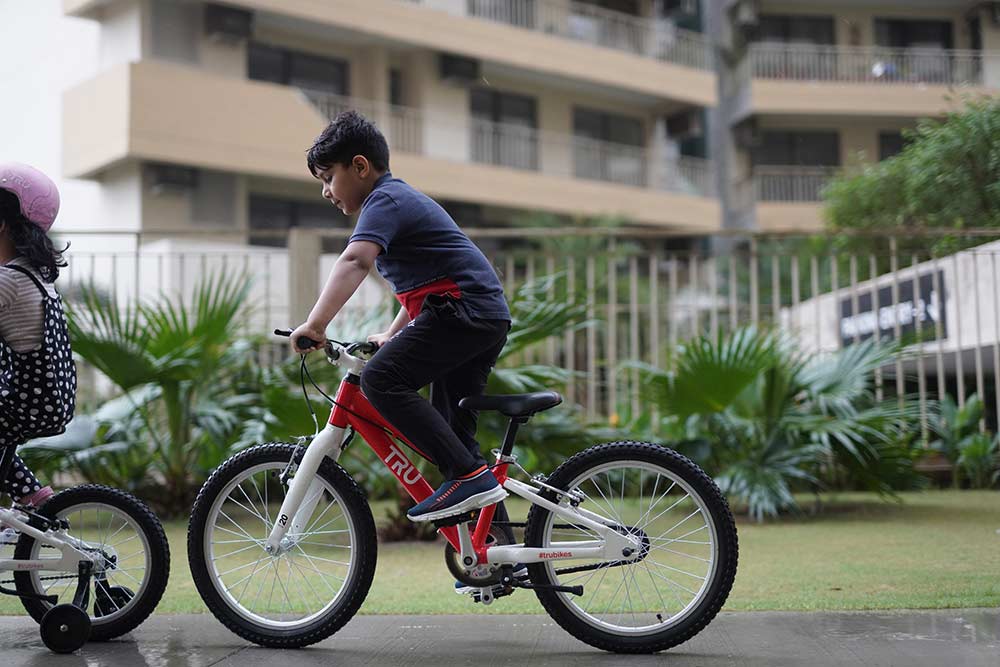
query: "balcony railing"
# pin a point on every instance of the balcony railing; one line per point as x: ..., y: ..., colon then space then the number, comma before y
x: 876, y: 65
x: 791, y: 184
x: 465, y: 139
x: 652, y: 38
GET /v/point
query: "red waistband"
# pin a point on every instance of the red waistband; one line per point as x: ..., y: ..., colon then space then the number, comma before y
x: 413, y: 300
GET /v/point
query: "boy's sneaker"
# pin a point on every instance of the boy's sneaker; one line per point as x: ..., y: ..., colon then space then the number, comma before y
x: 469, y: 492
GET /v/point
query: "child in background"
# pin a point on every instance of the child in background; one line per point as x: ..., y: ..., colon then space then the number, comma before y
x: 37, y: 374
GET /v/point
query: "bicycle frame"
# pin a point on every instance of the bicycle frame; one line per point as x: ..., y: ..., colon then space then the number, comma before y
x: 71, y: 555
x: 305, y: 490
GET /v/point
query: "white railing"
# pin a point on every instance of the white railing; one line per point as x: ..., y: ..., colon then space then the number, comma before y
x: 813, y: 62
x: 791, y: 184
x: 580, y: 21
x: 504, y: 145
x: 460, y: 138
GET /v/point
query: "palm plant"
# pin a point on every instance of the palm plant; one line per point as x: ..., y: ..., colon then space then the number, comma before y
x: 765, y: 419
x: 978, y: 459
x: 954, y: 427
x: 179, y: 363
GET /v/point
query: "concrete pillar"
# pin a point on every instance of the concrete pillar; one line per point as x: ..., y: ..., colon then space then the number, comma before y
x: 991, y: 49
x: 304, y: 250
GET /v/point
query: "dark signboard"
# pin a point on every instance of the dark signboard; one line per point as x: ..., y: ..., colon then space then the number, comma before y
x: 925, y: 307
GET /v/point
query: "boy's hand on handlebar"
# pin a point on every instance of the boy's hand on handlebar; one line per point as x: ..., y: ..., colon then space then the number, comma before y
x: 311, y: 331
x: 379, y: 339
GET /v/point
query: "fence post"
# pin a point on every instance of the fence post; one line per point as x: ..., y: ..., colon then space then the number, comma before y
x: 304, y: 249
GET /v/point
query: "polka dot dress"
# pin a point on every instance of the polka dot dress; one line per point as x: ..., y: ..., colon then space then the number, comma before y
x: 37, y: 391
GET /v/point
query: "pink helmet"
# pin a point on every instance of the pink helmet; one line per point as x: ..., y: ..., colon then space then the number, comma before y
x: 38, y: 195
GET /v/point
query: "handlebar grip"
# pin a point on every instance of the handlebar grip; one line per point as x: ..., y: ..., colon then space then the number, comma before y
x: 368, y: 348
x: 305, y: 343
x: 283, y: 332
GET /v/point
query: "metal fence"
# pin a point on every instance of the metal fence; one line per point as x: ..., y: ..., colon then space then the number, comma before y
x: 791, y: 184
x: 868, y: 64
x: 642, y: 298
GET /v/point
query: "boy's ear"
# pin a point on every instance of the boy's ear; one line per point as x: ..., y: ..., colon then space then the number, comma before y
x: 361, y: 165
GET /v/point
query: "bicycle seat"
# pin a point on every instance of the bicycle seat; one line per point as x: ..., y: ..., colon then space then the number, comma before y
x: 513, y: 405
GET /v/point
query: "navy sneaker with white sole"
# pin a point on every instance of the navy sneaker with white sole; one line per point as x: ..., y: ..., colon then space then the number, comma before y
x: 478, y: 489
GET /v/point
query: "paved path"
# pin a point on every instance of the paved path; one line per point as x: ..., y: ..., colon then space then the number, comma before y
x: 952, y: 638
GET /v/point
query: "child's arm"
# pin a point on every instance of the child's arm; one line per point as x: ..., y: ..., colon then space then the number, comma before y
x: 348, y: 273
x: 402, y: 319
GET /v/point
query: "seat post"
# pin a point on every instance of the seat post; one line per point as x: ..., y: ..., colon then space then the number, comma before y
x: 511, y: 435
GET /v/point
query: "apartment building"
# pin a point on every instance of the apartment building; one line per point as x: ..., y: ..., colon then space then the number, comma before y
x: 679, y: 115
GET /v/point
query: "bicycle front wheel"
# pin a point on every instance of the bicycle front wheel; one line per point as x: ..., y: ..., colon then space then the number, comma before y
x: 687, y: 554
x: 322, y: 574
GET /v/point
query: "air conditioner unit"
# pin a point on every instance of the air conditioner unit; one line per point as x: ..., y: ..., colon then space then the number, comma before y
x: 685, y: 125
x: 228, y: 23
x: 174, y: 178
x: 458, y: 69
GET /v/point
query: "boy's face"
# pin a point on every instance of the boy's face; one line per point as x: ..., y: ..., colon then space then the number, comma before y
x: 347, y: 186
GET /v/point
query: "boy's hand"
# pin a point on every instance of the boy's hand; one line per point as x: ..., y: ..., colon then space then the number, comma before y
x: 379, y: 339
x: 309, y: 331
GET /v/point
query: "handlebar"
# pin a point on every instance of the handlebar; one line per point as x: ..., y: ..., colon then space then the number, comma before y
x: 305, y: 343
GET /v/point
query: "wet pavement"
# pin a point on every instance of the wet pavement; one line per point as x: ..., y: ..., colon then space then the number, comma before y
x: 949, y: 638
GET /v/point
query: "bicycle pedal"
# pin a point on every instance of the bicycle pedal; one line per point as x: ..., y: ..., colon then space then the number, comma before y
x: 457, y: 519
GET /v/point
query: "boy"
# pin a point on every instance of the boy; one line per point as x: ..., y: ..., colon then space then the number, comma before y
x: 453, y: 321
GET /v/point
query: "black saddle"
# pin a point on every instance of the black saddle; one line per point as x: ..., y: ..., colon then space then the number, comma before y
x: 513, y: 405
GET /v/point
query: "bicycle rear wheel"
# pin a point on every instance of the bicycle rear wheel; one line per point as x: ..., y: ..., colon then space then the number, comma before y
x: 319, y: 580
x: 132, y: 574
x: 688, y: 551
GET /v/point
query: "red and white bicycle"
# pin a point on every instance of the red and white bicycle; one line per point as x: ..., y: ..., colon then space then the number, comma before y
x: 630, y: 547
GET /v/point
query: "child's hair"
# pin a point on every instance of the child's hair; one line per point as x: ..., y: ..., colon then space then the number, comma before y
x: 348, y: 135
x: 29, y: 240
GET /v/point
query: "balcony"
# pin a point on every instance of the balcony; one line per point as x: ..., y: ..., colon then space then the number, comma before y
x: 593, y: 25
x: 827, y: 80
x: 473, y: 141
x: 165, y: 112
x: 789, y: 198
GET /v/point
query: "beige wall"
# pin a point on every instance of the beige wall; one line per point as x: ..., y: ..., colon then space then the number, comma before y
x: 789, y: 217
x: 856, y: 99
x: 145, y: 110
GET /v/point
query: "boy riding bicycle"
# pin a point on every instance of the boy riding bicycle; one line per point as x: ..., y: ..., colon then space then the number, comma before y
x: 451, y: 327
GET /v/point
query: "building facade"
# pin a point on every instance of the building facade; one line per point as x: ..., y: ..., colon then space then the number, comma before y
x: 679, y: 115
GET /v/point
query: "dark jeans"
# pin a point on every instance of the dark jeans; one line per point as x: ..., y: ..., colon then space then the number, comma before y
x: 443, y: 345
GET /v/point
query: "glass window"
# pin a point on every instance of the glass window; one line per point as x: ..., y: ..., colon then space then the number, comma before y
x: 611, y: 147
x: 890, y: 144
x: 905, y: 34
x: 801, y: 29
x: 802, y: 148
x: 506, y: 133
x: 294, y: 68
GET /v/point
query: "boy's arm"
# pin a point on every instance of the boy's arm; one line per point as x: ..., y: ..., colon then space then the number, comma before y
x: 348, y: 273
x: 402, y: 319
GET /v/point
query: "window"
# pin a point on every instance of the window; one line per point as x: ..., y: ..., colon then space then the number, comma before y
x: 504, y: 129
x: 272, y: 217
x: 799, y: 29
x: 906, y: 34
x: 609, y: 147
x: 890, y: 144
x: 294, y: 68
x: 799, y: 148
x: 395, y: 87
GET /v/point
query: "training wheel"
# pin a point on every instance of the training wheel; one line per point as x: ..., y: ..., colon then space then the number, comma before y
x: 65, y: 628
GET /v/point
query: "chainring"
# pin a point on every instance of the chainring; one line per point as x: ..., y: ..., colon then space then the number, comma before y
x: 478, y: 576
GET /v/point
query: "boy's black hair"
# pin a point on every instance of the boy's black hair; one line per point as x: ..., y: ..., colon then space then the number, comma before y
x: 348, y: 135
x: 29, y: 240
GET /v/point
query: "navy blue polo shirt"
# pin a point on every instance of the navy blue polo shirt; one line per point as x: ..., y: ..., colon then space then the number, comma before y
x: 424, y: 252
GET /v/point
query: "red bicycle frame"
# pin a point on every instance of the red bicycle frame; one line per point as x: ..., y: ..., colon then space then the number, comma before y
x: 352, y: 410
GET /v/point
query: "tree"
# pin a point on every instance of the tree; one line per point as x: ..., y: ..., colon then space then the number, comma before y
x: 947, y: 177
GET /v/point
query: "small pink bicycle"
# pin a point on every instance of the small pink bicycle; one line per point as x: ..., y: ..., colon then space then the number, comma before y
x: 629, y: 546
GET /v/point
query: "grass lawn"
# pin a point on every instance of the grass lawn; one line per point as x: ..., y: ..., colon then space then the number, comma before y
x: 937, y: 549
